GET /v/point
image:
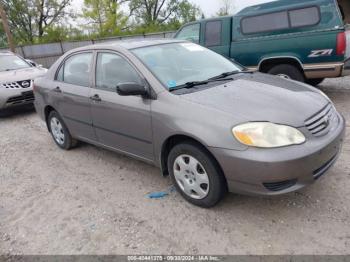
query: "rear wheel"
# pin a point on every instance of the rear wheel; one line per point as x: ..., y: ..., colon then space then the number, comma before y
x: 287, y: 71
x: 314, y: 81
x: 196, y: 175
x: 59, y: 131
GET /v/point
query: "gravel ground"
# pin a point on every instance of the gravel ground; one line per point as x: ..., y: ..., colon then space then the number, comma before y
x: 92, y: 201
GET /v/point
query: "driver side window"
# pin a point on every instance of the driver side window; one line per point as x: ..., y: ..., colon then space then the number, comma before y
x: 190, y: 33
x: 112, y: 70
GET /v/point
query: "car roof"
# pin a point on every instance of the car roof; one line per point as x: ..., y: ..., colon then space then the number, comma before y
x: 278, y: 4
x: 130, y: 44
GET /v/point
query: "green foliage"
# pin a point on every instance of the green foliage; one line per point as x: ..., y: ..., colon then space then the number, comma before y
x: 3, y: 40
x: 157, y: 12
x: 104, y: 17
x: 30, y: 19
x: 44, y: 21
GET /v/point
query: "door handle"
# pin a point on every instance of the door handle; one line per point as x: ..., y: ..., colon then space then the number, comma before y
x: 96, y: 98
x: 57, y: 90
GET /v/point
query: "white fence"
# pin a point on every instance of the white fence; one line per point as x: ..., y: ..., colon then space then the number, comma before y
x: 47, y: 54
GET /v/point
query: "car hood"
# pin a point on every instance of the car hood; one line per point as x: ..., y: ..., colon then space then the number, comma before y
x: 22, y: 74
x: 260, y: 97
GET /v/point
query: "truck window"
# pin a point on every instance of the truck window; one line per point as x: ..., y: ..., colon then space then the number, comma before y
x: 265, y: 23
x: 213, y: 33
x: 304, y: 17
x: 190, y: 33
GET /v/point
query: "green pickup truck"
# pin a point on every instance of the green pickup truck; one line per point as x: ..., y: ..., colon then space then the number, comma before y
x: 302, y: 40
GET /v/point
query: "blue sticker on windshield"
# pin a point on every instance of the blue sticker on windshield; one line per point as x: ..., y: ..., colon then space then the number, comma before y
x: 151, y: 62
x: 171, y: 84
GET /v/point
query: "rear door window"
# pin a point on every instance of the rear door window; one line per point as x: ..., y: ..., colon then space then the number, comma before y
x: 265, y: 23
x: 213, y: 30
x: 190, y: 33
x: 304, y: 17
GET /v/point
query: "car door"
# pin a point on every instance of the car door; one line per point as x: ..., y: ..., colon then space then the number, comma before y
x: 217, y: 36
x: 73, y: 87
x: 120, y: 122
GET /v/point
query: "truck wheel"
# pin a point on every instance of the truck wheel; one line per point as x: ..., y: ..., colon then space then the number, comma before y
x: 315, y: 81
x: 287, y: 71
x: 59, y: 132
x: 196, y: 175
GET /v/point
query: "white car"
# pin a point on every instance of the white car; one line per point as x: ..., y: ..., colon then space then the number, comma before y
x: 16, y: 80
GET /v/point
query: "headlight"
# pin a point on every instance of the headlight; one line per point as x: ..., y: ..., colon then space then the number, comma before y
x: 267, y: 135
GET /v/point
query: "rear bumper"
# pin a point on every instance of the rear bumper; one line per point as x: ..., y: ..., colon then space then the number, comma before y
x: 346, y: 69
x: 281, y: 170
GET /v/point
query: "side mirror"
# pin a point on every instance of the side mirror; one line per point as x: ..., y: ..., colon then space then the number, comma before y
x: 132, y: 89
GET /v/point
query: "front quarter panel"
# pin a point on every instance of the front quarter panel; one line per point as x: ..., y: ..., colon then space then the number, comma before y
x: 173, y: 116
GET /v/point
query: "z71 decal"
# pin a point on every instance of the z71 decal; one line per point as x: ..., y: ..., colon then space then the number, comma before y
x: 319, y: 53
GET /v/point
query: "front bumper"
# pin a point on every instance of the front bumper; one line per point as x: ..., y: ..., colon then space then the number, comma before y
x: 16, y: 97
x: 280, y: 170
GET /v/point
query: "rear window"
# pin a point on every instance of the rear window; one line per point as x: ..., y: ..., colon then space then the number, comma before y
x: 304, y: 17
x: 265, y: 23
x: 213, y: 33
x: 281, y: 20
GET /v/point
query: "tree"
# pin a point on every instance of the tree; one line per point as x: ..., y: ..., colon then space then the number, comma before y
x: 49, y: 12
x: 30, y: 19
x: 153, y: 12
x: 105, y: 16
x: 226, y: 8
x: 6, y: 28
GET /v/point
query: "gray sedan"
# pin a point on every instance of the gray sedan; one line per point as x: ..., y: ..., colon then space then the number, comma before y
x: 204, y: 120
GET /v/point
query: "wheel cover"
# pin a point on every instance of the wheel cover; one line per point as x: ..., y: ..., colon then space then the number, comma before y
x: 191, y: 176
x: 57, y: 130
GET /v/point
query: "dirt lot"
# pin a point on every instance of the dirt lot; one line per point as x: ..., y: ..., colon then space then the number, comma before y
x: 92, y: 201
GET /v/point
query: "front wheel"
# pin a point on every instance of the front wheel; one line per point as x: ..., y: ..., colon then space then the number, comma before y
x: 287, y: 71
x: 59, y: 132
x: 196, y: 175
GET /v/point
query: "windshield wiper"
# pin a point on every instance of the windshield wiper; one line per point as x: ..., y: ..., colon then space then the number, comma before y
x: 226, y: 74
x: 189, y: 85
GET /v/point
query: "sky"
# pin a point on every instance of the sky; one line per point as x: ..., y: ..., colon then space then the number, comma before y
x: 209, y: 7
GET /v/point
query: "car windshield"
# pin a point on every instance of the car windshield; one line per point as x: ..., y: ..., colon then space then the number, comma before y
x: 179, y: 63
x: 12, y: 62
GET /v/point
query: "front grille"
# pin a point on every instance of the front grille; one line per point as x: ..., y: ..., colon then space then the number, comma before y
x: 18, y: 84
x: 26, y: 97
x: 278, y: 186
x: 324, y: 168
x: 320, y: 123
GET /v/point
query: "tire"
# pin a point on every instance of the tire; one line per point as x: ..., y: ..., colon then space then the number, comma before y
x: 315, y: 81
x: 60, y: 132
x: 287, y: 71
x: 182, y: 162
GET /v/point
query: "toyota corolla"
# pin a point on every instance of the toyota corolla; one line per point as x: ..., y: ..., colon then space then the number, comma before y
x: 203, y: 119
